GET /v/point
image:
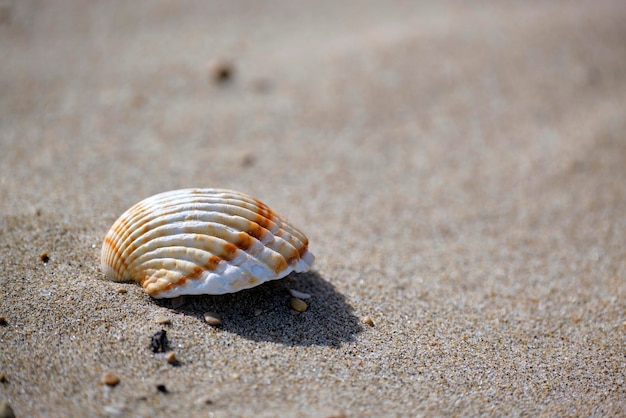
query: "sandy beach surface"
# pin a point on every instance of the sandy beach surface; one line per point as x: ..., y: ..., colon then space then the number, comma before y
x: 459, y: 168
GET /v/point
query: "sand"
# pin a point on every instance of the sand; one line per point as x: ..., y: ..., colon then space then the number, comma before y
x: 460, y: 170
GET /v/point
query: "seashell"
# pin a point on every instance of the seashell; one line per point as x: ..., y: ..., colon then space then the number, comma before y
x: 202, y: 241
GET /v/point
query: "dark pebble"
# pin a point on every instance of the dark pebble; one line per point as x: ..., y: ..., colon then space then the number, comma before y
x: 221, y: 71
x: 158, y: 342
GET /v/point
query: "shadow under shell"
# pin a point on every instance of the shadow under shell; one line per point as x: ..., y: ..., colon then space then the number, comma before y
x: 263, y: 313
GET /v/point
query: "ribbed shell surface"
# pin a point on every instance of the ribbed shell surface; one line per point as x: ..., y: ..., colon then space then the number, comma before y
x: 202, y: 241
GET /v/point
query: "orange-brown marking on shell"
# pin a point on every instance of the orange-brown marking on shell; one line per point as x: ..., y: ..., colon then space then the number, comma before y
x: 119, y: 233
x: 245, y: 281
x: 171, y: 285
x: 142, y: 280
x: 264, y: 215
x: 282, y: 265
x: 303, y: 249
x: 116, y: 251
x: 108, y: 241
x: 254, y: 230
x: 292, y: 259
x: 123, y: 231
x: 179, y: 282
x: 230, y: 251
x: 122, y: 227
x: 136, y: 213
x: 197, y: 272
x: 213, y: 263
x: 244, y: 241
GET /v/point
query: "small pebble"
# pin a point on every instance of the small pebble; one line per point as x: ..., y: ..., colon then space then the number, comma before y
x: 299, y: 295
x: 298, y: 304
x: 204, y: 400
x: 110, y: 379
x: 163, y: 320
x: 212, y: 319
x: 161, y: 388
x: 122, y: 290
x: 158, y: 342
x: 246, y: 159
x: 367, y: 320
x: 3, y: 321
x: 3, y: 378
x: 44, y: 257
x: 6, y: 411
x: 220, y: 71
x: 171, y: 358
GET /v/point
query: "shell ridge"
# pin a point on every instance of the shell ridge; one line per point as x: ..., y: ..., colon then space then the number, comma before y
x: 298, y: 246
x: 171, y: 229
x: 286, y: 226
x: 191, y: 250
x: 211, y: 207
x: 228, y: 199
x: 200, y: 258
x: 286, y: 249
x: 146, y: 218
x: 196, y: 242
x: 200, y: 254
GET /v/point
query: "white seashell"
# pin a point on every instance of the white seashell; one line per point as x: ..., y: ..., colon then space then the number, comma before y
x: 202, y: 241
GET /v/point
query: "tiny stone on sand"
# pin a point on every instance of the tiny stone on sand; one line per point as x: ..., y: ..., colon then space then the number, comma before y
x: 158, y: 341
x: 367, y: 320
x: 212, y: 319
x: 298, y: 304
x: 220, y: 70
x: 171, y: 358
x: 110, y: 379
x: 204, y: 400
x: 44, y: 257
x: 163, y: 320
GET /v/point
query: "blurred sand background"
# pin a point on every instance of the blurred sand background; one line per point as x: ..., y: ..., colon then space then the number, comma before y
x: 459, y: 168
